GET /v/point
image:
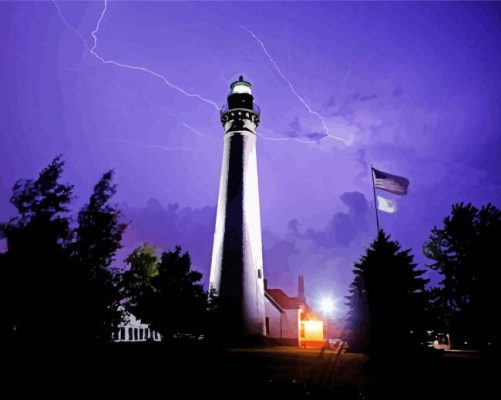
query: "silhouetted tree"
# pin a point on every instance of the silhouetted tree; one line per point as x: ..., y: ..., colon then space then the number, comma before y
x: 438, y: 312
x: 143, y: 262
x: 387, y: 300
x: 165, y: 293
x: 56, y: 282
x: 98, y: 237
x: 466, y: 252
x: 35, y: 268
x: 7, y: 316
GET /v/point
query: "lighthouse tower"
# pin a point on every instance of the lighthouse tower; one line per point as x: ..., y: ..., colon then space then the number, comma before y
x: 237, y: 261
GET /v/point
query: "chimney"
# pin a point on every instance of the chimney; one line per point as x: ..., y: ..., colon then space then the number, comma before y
x: 300, y: 288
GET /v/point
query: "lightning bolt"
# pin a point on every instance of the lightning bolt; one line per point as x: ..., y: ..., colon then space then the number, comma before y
x: 147, y: 146
x: 195, y: 131
x: 187, y: 126
x: 293, y: 89
x: 284, y: 139
x: 92, y: 50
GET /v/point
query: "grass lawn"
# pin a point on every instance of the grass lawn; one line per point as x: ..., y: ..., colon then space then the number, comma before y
x: 322, y: 369
x: 183, y: 371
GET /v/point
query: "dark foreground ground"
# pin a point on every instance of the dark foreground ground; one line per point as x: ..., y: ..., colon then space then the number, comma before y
x: 182, y: 371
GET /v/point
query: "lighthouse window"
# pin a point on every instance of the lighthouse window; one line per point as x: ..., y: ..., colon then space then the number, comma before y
x: 259, y: 273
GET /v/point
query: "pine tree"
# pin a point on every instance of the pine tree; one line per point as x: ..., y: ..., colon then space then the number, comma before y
x: 466, y: 252
x: 387, y: 300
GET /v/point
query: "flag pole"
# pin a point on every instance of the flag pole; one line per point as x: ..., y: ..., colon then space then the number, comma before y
x: 375, y: 200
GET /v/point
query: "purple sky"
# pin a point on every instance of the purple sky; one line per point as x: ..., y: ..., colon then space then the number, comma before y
x: 412, y: 87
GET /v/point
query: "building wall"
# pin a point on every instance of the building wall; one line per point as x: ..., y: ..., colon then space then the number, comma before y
x: 290, y: 326
x: 274, y: 320
x: 135, y: 331
x: 283, y: 325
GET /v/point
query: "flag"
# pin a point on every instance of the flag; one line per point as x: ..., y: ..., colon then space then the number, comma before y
x: 386, y: 205
x: 391, y: 183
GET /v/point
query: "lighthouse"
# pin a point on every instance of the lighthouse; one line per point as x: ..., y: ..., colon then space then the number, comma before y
x: 237, y: 261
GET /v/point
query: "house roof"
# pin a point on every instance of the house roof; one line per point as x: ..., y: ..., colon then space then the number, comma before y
x: 273, y: 302
x: 283, y: 300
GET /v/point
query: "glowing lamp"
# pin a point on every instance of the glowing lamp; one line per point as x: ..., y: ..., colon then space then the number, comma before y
x: 241, y: 86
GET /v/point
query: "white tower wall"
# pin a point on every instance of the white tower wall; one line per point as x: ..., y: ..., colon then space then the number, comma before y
x: 237, y: 261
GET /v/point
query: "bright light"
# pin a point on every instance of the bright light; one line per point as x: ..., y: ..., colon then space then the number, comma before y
x: 313, y: 330
x: 327, y: 305
x: 241, y: 88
